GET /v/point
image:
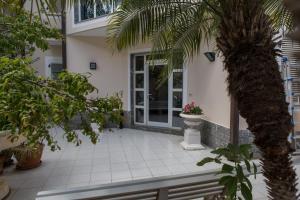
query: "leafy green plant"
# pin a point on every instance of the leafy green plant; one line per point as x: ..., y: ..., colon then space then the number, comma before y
x: 33, y: 104
x: 4, y: 123
x: 22, y: 33
x: 234, y: 159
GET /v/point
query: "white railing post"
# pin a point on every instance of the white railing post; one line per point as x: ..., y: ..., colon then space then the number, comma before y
x: 95, y: 8
x: 79, y: 11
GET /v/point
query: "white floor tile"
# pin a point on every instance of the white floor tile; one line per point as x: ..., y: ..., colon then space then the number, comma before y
x: 100, y: 182
x: 103, y: 176
x: 121, y: 180
x: 61, y: 171
x: 122, y: 155
x: 76, y: 185
x: 56, y: 181
x: 119, y: 166
x: 141, y: 173
x: 124, y: 174
x: 155, y: 163
x: 137, y: 165
x: 78, y: 178
x: 159, y: 171
x: 25, y: 194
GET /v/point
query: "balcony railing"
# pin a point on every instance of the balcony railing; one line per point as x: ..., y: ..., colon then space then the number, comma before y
x: 53, y: 20
x: 85, y: 10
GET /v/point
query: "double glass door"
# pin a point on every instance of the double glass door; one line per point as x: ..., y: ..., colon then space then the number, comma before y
x: 157, y: 99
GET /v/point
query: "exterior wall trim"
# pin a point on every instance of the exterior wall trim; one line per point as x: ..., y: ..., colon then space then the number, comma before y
x: 130, y: 53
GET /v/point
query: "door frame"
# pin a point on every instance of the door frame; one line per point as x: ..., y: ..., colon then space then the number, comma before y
x: 131, y: 92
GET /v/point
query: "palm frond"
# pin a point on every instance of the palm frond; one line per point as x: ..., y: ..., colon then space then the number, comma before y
x: 173, y: 27
x: 279, y: 14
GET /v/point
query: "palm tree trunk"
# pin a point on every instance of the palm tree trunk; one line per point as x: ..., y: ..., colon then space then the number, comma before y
x: 246, y: 41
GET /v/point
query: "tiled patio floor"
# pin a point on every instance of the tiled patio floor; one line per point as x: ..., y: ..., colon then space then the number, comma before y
x: 121, y: 155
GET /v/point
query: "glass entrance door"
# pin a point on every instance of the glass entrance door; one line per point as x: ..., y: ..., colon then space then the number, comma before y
x: 158, y: 96
x: 156, y: 103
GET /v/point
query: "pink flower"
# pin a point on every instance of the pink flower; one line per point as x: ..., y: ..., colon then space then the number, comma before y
x: 192, y: 109
x: 193, y: 104
x: 187, y: 108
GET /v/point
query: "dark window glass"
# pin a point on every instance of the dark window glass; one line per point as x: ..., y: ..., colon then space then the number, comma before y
x: 139, y: 115
x: 102, y: 8
x: 177, y: 120
x: 86, y: 9
x: 139, y: 63
x: 139, y: 81
x: 177, y: 80
x: 158, y: 96
x: 177, y: 99
x: 76, y: 14
x: 139, y: 98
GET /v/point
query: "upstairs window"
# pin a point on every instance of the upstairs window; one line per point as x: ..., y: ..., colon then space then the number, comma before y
x: 91, y: 9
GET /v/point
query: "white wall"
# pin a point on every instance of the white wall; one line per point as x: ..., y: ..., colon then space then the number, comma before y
x: 40, y: 64
x: 206, y: 83
x: 111, y: 75
x: 53, y: 51
x: 207, y: 87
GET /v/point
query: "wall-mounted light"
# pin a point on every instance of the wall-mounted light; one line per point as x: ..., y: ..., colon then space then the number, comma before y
x: 93, y: 66
x: 211, y: 56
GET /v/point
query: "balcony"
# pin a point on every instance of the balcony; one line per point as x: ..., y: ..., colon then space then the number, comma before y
x: 89, y: 17
x: 86, y: 10
x: 53, y: 20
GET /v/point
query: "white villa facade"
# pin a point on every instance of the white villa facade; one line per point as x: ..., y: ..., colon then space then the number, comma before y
x: 128, y: 72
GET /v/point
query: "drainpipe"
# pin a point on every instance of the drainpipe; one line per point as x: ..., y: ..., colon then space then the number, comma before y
x: 63, y: 32
x: 234, y: 121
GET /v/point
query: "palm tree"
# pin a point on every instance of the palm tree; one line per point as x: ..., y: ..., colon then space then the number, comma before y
x: 244, y: 35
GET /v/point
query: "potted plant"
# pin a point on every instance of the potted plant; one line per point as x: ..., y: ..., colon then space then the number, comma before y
x: 191, y: 115
x: 28, y: 157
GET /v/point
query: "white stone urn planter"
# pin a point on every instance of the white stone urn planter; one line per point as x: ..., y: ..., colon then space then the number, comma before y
x: 192, y: 136
x: 5, y: 140
x: 6, y: 143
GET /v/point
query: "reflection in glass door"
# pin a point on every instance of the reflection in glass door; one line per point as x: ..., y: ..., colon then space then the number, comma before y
x: 158, y: 95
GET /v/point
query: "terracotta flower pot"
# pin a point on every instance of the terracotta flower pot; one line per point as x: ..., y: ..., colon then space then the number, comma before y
x: 29, y: 158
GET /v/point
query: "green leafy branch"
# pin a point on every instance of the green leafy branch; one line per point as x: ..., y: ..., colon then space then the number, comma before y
x: 235, y: 160
x: 33, y: 104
